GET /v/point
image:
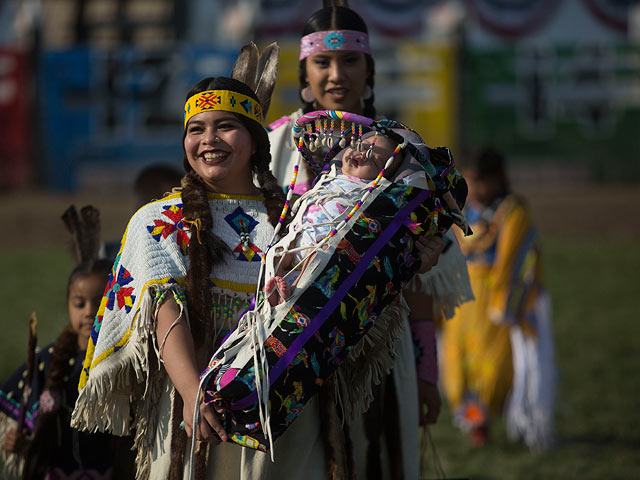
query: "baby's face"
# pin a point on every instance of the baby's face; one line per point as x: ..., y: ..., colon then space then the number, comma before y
x: 356, y: 163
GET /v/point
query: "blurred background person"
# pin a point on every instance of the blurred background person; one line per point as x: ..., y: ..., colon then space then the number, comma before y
x: 497, y: 351
x: 154, y: 182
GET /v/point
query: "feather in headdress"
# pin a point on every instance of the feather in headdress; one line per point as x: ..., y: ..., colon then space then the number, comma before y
x: 258, y: 71
x: 85, y: 232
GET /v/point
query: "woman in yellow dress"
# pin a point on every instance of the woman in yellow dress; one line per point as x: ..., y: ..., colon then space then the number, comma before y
x: 497, y: 351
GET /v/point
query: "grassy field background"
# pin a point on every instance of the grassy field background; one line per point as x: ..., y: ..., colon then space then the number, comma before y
x: 591, y: 240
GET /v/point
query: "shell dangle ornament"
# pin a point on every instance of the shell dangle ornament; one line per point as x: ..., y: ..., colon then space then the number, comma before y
x: 343, y: 139
x: 353, y: 136
x: 319, y: 136
x: 330, y: 139
x: 369, y: 153
x: 311, y: 144
x: 325, y: 133
x: 360, y: 146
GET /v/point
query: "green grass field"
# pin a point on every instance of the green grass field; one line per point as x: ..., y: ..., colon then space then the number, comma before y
x: 595, y: 291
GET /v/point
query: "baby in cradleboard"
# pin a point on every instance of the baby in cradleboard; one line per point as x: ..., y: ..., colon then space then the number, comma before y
x: 371, y: 222
x: 359, y: 167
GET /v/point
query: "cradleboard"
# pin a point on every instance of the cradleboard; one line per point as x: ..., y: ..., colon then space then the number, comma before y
x: 341, y: 292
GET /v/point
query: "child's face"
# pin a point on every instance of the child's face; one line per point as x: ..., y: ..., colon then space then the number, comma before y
x: 85, y: 294
x: 356, y: 163
x: 482, y: 191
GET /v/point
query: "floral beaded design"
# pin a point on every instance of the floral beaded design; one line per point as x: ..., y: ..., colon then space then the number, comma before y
x: 172, y: 223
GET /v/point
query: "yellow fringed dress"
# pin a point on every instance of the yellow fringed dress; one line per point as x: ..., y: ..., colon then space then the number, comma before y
x: 477, y: 358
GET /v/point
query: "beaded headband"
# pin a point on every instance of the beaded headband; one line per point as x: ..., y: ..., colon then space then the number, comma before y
x: 333, y: 40
x: 223, y: 100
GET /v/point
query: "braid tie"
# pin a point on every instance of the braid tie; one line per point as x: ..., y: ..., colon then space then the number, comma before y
x: 197, y: 223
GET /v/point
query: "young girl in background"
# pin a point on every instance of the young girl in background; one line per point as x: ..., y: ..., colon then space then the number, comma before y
x: 47, y: 446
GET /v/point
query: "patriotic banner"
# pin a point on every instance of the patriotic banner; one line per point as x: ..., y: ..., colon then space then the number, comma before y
x: 393, y: 17
x: 612, y: 13
x: 387, y: 17
x: 512, y: 17
x: 284, y: 17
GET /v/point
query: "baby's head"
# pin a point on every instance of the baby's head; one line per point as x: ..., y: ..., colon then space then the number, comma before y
x: 366, y: 165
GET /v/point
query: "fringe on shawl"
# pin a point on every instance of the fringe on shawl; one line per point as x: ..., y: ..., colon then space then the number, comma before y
x: 530, y: 407
x: 370, y: 361
x: 12, y: 463
x: 447, y: 282
x: 107, y: 401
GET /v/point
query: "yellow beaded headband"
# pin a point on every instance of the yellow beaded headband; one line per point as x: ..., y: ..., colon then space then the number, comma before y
x: 224, y: 100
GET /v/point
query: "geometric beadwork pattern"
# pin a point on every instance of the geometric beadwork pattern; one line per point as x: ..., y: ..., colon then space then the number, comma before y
x: 243, y: 225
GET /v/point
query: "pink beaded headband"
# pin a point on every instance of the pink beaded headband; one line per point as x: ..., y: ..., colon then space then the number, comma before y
x: 332, y: 40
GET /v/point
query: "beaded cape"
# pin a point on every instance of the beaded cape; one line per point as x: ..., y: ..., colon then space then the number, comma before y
x: 152, y: 262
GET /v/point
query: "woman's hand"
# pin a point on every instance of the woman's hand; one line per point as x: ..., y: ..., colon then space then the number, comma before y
x: 429, y: 250
x: 209, y: 427
x: 429, y: 400
x: 14, y: 441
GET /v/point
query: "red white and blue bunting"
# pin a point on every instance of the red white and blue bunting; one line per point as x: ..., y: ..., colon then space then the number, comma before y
x: 512, y: 17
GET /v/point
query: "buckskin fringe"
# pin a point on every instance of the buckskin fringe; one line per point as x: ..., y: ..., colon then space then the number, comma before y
x: 447, y: 282
x: 146, y: 415
x: 370, y: 361
x: 128, y: 380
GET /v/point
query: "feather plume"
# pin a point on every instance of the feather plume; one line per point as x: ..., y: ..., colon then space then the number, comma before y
x: 246, y: 65
x: 267, y: 74
x: 85, y: 232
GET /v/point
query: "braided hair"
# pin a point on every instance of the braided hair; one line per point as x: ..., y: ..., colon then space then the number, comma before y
x: 208, y: 250
x: 337, y: 17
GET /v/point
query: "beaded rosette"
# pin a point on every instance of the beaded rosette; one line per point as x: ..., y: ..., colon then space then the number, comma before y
x: 349, y: 278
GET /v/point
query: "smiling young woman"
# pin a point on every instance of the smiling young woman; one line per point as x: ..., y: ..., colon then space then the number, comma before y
x: 336, y: 72
x: 218, y: 148
x: 185, y: 273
